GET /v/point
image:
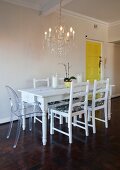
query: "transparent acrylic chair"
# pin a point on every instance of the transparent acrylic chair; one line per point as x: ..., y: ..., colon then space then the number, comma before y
x: 16, y: 110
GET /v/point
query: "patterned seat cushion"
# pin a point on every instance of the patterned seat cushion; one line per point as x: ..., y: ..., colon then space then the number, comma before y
x: 100, y: 103
x: 52, y: 103
x: 67, y: 100
x: 64, y: 108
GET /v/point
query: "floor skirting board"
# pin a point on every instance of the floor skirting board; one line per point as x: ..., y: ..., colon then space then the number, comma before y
x: 5, y: 120
x: 115, y: 95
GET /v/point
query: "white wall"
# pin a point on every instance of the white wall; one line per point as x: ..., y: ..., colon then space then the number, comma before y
x: 112, y: 67
x: 22, y: 56
x: 114, y: 32
x: 113, y: 57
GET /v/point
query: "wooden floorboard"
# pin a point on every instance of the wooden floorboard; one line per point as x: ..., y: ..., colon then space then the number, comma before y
x: 95, y: 152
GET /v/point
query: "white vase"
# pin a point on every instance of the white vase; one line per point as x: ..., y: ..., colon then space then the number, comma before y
x: 54, y: 81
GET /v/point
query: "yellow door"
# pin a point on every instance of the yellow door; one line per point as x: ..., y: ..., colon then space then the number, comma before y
x: 93, y: 60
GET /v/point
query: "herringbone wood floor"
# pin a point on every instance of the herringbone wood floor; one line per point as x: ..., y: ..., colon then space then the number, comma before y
x: 96, y: 152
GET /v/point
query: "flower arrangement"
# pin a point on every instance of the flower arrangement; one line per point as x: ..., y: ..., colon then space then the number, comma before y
x: 67, y: 70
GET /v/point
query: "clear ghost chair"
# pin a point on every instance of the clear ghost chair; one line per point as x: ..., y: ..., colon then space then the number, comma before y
x: 16, y: 110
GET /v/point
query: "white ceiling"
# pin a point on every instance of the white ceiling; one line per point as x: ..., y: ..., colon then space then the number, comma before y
x: 104, y: 10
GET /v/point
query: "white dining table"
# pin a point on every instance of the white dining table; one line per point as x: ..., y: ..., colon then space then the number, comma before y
x: 45, y: 95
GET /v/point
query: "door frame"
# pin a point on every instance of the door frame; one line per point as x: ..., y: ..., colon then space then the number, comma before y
x: 102, y: 60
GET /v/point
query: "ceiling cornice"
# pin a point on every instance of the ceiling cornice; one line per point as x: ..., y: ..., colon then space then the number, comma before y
x: 84, y: 17
x: 114, y: 23
x: 54, y: 5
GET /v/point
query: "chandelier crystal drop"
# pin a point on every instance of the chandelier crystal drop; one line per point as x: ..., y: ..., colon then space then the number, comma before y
x: 60, y: 39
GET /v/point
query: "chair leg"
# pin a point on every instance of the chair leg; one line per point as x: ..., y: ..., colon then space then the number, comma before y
x: 89, y: 114
x: 80, y: 116
x: 30, y: 122
x: 61, y: 120
x: 10, y: 127
x: 86, y: 123
x: 66, y: 119
x: 34, y: 113
x: 93, y: 121
x: 18, y: 132
x: 49, y: 116
x: 75, y: 119
x: 109, y: 108
x: 52, y: 124
x: 70, y: 129
x: 49, y: 113
x: 106, y: 117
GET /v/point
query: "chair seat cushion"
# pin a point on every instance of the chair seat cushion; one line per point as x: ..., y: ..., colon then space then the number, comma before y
x: 67, y: 100
x: 100, y: 103
x: 64, y: 108
x: 52, y: 103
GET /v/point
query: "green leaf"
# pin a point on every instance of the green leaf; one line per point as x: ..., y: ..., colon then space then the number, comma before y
x: 72, y: 78
x: 67, y: 79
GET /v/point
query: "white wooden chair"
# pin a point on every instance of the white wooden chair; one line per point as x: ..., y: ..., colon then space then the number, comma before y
x: 41, y: 82
x: 60, y: 81
x: 99, y: 101
x: 72, y: 109
x: 45, y: 83
x: 64, y: 101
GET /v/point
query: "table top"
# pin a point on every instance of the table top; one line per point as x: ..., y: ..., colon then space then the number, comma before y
x: 46, y: 91
x: 49, y: 91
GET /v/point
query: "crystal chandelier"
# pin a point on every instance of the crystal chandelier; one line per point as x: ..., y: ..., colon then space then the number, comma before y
x: 60, y: 39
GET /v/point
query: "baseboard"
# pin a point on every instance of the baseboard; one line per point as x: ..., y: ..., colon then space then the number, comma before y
x: 115, y: 95
x: 7, y: 119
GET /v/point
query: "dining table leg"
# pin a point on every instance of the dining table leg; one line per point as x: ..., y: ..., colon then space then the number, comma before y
x: 44, y: 123
x: 44, y: 128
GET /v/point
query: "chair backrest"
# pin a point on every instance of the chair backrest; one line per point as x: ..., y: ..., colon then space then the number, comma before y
x: 60, y: 81
x: 100, y: 93
x: 79, y: 78
x: 41, y: 82
x: 79, y: 96
x: 14, y: 101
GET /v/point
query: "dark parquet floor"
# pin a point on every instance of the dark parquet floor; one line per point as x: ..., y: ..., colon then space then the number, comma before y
x: 96, y: 152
